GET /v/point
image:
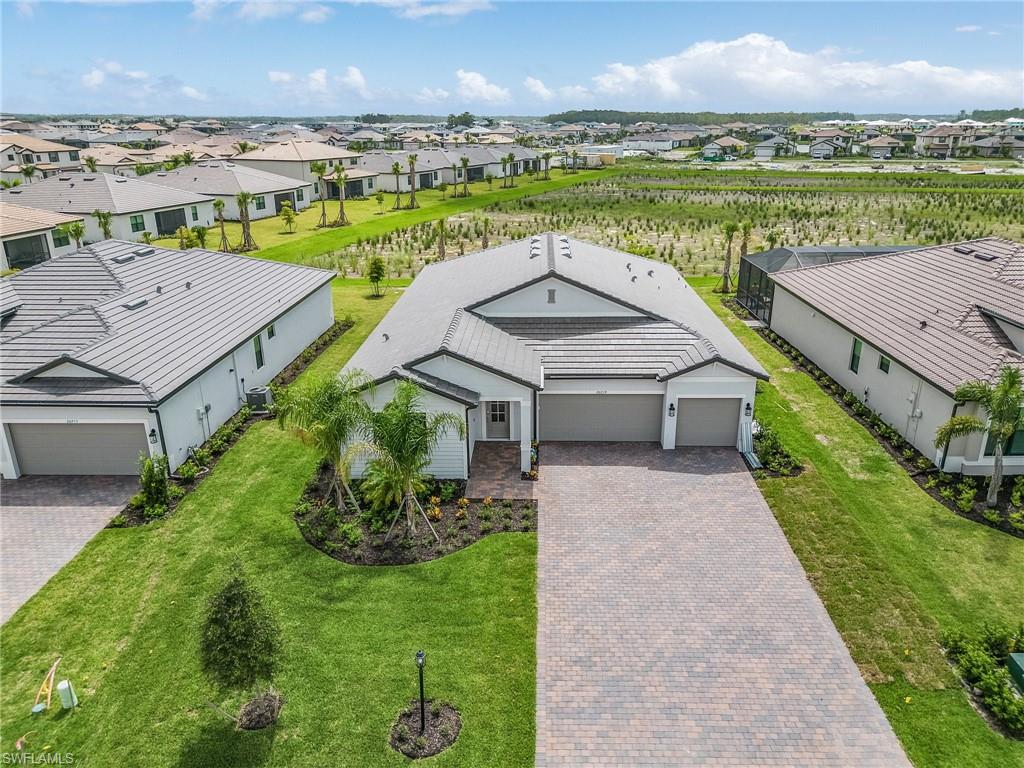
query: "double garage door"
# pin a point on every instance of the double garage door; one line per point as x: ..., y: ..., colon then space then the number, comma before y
x: 78, y: 449
x: 637, y: 418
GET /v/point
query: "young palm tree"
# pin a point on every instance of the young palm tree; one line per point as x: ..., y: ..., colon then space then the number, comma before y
x: 319, y: 169
x: 243, y: 146
x: 328, y: 413
x: 342, y: 219
x: 412, y: 180
x: 729, y: 229
x: 187, y: 157
x: 75, y: 230
x: 504, y: 172
x: 244, y: 199
x: 465, y: 175
x: 379, y: 197
x: 1004, y: 403
x: 546, y: 157
x: 28, y: 171
x: 489, y: 178
x: 396, y: 169
x: 401, y: 438
x: 485, y: 241
x: 772, y: 238
x: 218, y: 208
x: 745, y: 229
x: 575, y: 160
x: 90, y: 163
x: 511, y: 169
x: 103, y: 219
x: 441, y: 232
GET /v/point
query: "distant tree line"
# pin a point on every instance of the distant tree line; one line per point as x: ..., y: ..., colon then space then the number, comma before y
x: 698, y: 118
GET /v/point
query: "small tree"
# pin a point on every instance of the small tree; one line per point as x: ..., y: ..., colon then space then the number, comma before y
x: 103, y: 219
x: 199, y: 235
x: 379, y: 197
x: 489, y: 178
x: 287, y: 215
x: 153, y: 484
x: 319, y: 169
x: 441, y: 234
x: 342, y: 218
x: 465, y: 175
x: 28, y: 171
x: 772, y: 238
x: 729, y: 229
x: 90, y: 163
x: 376, y: 272
x: 396, y: 169
x: 484, y: 240
x: 1004, y: 403
x: 413, y: 157
x: 218, y: 207
x: 240, y: 641
x: 443, y: 189
x: 243, y: 199
x: 74, y: 230
x: 185, y: 238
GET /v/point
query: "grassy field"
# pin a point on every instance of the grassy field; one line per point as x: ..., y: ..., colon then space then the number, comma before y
x: 367, y: 220
x: 124, y: 614
x: 893, y: 567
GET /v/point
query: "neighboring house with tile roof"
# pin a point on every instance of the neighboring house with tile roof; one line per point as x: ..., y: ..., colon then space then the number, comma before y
x: 118, y: 349
x: 47, y: 157
x: 30, y: 235
x: 293, y: 158
x: 902, y: 331
x: 553, y: 338
x: 137, y: 205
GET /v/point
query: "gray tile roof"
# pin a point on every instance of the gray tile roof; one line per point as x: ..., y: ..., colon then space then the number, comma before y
x: 77, y: 307
x: 435, y: 314
x: 438, y: 385
x: 921, y: 307
x: 224, y: 178
x: 86, y: 192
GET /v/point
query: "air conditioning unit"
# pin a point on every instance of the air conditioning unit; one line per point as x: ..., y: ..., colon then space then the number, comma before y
x: 259, y: 399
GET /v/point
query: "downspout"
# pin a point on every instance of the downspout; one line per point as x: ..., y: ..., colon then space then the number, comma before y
x: 468, y: 438
x: 160, y: 433
x: 945, y: 451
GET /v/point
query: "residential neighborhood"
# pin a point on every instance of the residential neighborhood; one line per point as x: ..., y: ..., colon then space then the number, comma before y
x: 536, y: 384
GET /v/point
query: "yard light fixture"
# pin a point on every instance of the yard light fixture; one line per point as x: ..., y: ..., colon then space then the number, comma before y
x: 671, y: 410
x: 152, y: 436
x: 748, y: 410
x: 421, y: 659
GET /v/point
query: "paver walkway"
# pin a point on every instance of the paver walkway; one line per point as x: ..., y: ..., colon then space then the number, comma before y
x: 44, y: 522
x: 677, y: 628
x: 495, y: 472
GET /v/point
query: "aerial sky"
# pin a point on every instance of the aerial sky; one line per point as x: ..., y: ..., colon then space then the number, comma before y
x: 349, y: 57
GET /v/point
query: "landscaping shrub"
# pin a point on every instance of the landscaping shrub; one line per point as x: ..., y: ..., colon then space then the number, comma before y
x: 981, y: 659
x: 772, y: 453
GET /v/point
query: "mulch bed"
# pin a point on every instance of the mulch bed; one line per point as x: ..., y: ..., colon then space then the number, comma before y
x: 230, y: 432
x: 261, y: 712
x: 442, y: 726
x: 358, y: 539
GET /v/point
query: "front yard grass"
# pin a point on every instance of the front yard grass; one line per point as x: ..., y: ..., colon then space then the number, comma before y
x: 124, y: 615
x: 893, y: 567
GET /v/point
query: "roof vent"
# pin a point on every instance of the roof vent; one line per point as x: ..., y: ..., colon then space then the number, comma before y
x: 145, y: 251
x: 386, y: 337
x: 14, y: 191
x: 120, y: 180
x: 965, y: 250
x: 159, y: 290
x: 629, y: 266
x: 924, y: 324
x: 136, y: 304
x: 632, y: 279
x: 188, y: 285
x: 985, y: 256
x: 650, y: 273
x: 124, y: 258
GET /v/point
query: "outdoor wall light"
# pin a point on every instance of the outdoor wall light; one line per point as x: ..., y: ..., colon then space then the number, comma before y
x: 748, y: 410
x: 152, y: 436
x: 671, y: 410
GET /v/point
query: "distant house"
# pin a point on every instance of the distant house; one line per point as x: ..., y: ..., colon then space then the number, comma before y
x: 180, y: 135
x: 880, y: 147
x: 774, y: 147
x: 840, y: 138
x: 663, y: 141
x: 359, y: 182
x: 723, y: 145
x: 429, y: 167
x: 118, y: 350
x: 137, y: 206
x: 293, y: 158
x: 118, y: 160
x: 47, y: 157
x: 998, y: 146
x: 825, y: 148
x: 31, y: 236
x: 941, y: 142
x: 223, y: 180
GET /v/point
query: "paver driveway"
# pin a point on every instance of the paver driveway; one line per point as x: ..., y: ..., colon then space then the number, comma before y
x: 676, y: 626
x: 44, y: 522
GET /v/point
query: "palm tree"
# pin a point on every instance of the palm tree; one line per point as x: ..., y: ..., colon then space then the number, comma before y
x: 319, y: 169
x: 504, y: 172
x: 489, y: 178
x: 218, y: 208
x: 187, y: 157
x: 412, y: 180
x: 772, y: 238
x: 546, y: 157
x: 103, y: 219
x: 745, y: 228
x: 1004, y: 403
x: 575, y: 160
x: 396, y: 169
x: 441, y: 232
x: 511, y: 169
x: 244, y: 146
x: 8, y: 183
x: 401, y: 438
x: 90, y: 163
x: 74, y: 230
x: 485, y: 241
x: 328, y: 413
x: 28, y: 171
x: 339, y: 178
x: 465, y: 175
x: 729, y: 229
x: 244, y: 199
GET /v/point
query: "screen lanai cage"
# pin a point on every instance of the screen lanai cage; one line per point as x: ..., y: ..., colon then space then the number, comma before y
x: 755, y: 288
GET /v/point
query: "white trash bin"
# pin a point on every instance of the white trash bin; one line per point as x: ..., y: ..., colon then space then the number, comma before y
x: 68, y: 699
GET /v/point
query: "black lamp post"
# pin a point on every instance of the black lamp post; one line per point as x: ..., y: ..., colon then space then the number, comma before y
x: 421, y: 659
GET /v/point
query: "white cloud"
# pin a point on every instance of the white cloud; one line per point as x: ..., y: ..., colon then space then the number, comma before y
x: 968, y: 28
x: 258, y: 10
x: 316, y: 81
x: 193, y: 93
x: 203, y: 10
x: 538, y: 89
x: 276, y: 76
x: 760, y: 70
x: 94, y: 78
x: 420, y: 9
x: 320, y: 86
x: 113, y: 70
x: 354, y: 81
x: 431, y: 95
x: 25, y: 9
x: 315, y: 14
x: 575, y: 93
x: 474, y: 87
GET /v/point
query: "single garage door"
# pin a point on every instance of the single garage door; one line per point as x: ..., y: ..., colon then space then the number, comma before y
x: 79, y: 449
x: 601, y: 417
x: 707, y: 421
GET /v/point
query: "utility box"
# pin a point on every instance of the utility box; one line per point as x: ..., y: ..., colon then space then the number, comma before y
x: 1016, y: 666
x: 259, y: 399
x: 68, y: 699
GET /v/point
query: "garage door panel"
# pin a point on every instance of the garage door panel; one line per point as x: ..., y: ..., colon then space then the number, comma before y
x: 616, y: 417
x: 707, y: 421
x: 79, y: 449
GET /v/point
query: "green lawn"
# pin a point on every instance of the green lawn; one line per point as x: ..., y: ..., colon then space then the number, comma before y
x: 893, y: 567
x: 124, y: 615
x: 275, y: 242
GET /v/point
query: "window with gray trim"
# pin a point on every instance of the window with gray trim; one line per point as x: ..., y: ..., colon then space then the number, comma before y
x: 855, y: 352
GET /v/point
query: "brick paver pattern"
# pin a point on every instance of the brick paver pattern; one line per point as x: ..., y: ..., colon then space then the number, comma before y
x: 495, y: 472
x: 44, y: 522
x: 677, y: 628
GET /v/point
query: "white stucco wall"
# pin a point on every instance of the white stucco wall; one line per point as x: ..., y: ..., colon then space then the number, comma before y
x: 54, y: 250
x: 121, y: 227
x: 712, y: 381
x: 570, y: 301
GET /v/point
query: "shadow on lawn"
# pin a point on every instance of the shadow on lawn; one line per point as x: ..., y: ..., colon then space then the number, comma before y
x: 217, y: 742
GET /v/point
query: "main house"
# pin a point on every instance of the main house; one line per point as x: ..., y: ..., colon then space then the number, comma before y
x: 119, y: 349
x: 551, y: 338
x: 903, y: 330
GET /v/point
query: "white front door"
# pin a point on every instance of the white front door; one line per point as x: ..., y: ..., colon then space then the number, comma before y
x: 497, y: 420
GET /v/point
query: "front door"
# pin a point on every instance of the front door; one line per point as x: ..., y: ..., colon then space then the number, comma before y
x: 497, y: 420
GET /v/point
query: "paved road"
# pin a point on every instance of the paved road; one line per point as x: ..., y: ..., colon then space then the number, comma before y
x: 44, y: 522
x: 676, y: 626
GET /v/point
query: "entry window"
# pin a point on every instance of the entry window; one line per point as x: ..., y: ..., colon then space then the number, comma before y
x: 271, y: 332
x: 260, y: 202
x: 138, y: 222
x: 61, y: 238
x: 551, y: 295
x: 498, y: 412
x: 858, y: 347
x: 54, y: 157
x: 884, y: 363
x: 195, y: 213
x: 300, y: 195
x: 257, y: 344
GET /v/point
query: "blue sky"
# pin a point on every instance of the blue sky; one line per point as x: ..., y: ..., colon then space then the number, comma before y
x: 232, y: 57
